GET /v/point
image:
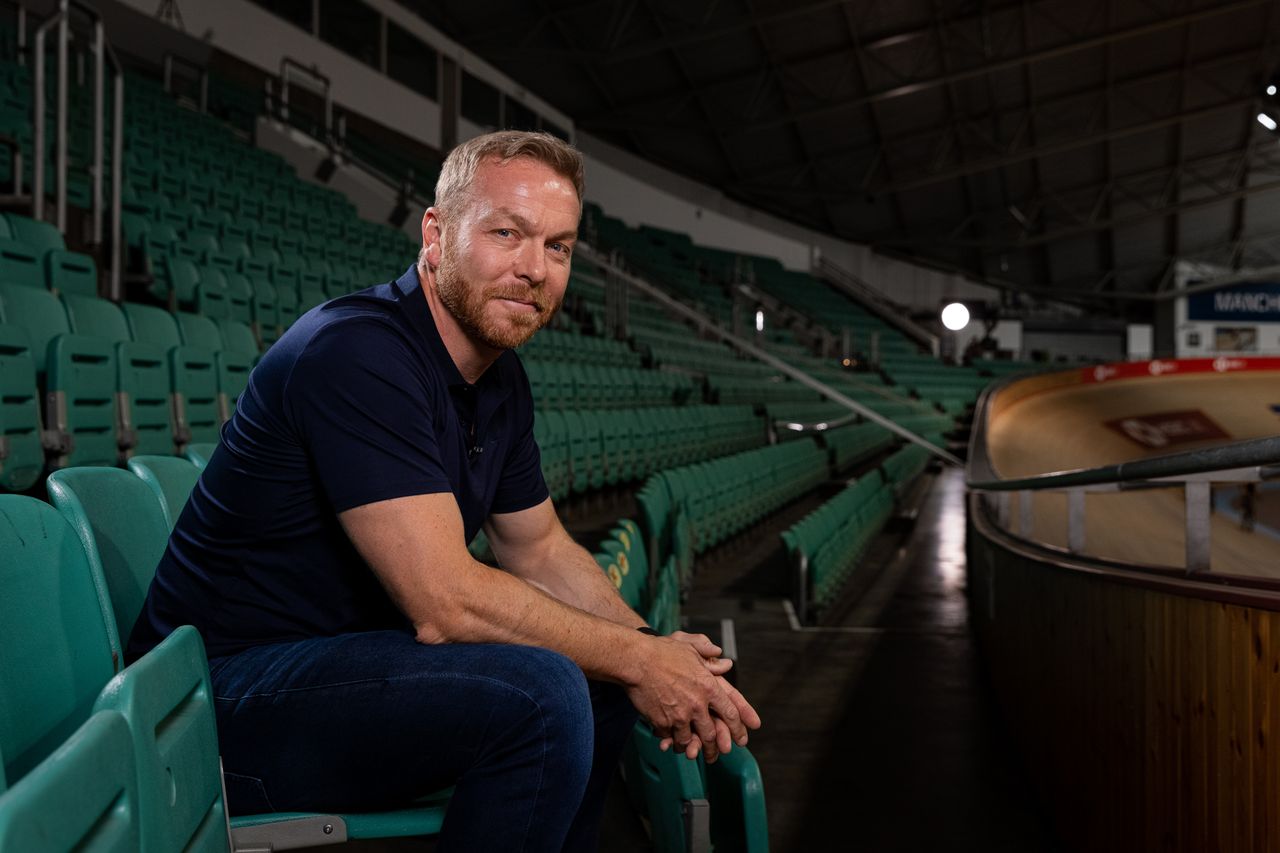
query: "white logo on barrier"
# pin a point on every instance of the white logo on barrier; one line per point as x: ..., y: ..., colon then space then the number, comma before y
x: 1102, y: 373
x: 1156, y: 368
x: 1222, y: 364
x: 1144, y: 433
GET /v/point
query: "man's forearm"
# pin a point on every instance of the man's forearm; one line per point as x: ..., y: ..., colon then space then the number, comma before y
x: 573, y: 576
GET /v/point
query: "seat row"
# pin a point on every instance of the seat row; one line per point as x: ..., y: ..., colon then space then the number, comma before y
x: 561, y: 383
x: 683, y: 801
x: 97, y: 757
x: 585, y: 449
x: 827, y: 545
x: 136, y: 380
x: 690, y: 508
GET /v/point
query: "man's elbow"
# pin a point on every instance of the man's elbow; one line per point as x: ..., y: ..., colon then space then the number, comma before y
x: 447, y: 623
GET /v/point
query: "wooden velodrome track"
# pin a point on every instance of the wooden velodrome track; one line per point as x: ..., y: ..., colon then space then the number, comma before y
x: 1060, y: 422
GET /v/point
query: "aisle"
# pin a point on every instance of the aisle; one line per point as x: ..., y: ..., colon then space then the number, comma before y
x: 879, y: 733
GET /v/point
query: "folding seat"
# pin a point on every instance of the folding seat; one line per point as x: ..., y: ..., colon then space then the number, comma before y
x: 175, y: 280
x: 233, y: 370
x: 170, y: 479
x: 40, y: 236
x: 20, y: 264
x: 198, y: 453
x: 70, y: 272
x: 21, y: 448
x: 199, y: 331
x: 211, y: 296
x: 266, y: 311
x: 195, y: 395
x: 84, y: 796
x: 144, y: 398
x: 238, y: 338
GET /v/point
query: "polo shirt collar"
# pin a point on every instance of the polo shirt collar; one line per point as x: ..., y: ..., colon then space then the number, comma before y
x: 410, y: 289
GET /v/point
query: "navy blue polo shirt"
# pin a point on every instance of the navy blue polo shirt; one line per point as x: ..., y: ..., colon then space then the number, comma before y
x: 358, y: 402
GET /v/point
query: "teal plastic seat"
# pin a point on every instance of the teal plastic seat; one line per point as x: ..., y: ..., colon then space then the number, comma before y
x: 122, y: 525
x: 199, y: 331
x: 70, y: 272
x: 170, y: 478
x: 81, y: 799
x: 146, y: 424
x: 233, y: 377
x: 199, y: 452
x: 99, y: 318
x: 82, y: 395
x: 667, y: 788
x: 55, y: 651
x: 21, y: 447
x: 20, y: 264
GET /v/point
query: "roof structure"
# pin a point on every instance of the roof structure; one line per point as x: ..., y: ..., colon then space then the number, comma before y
x: 1077, y: 147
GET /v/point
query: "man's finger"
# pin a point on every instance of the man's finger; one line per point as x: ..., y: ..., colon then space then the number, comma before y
x: 748, y: 714
x: 718, y: 666
x: 727, y: 709
x: 701, y: 643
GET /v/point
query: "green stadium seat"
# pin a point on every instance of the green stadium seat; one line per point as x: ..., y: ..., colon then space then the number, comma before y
x: 20, y: 264
x: 198, y: 331
x: 41, y: 236
x: 145, y: 411
x: 195, y: 394
x: 233, y: 377
x: 198, y: 453
x: 239, y: 298
x: 152, y: 325
x: 70, y: 272
x: 171, y: 479
x: 123, y: 527
x: 82, y: 400
x: 83, y: 797
x: 99, y: 318
x: 55, y: 654
x: 21, y: 448
x: 238, y: 338
x: 211, y: 297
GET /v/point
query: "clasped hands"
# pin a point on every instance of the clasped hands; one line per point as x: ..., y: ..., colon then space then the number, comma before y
x: 687, y: 699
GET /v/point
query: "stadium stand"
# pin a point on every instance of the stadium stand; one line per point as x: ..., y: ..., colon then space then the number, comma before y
x: 119, y: 405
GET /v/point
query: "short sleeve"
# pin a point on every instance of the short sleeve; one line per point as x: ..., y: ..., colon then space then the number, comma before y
x: 522, y: 484
x: 361, y: 403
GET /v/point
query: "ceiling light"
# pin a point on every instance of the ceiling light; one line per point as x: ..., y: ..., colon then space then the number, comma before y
x: 1266, y: 121
x: 955, y: 316
x: 1271, y: 88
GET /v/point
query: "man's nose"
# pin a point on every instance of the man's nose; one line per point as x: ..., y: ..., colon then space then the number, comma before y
x: 531, y: 262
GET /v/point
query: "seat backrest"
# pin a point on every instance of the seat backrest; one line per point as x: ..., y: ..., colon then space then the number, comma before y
x: 21, y: 451
x: 122, y: 527
x: 195, y: 392
x: 39, y: 313
x: 170, y: 478
x: 199, y: 452
x: 37, y: 234
x: 82, y: 393
x: 166, y: 698
x: 99, y: 318
x: 199, y: 331
x: 144, y: 383
x: 20, y: 264
x: 70, y: 272
x: 84, y: 797
x: 152, y: 325
x: 55, y: 651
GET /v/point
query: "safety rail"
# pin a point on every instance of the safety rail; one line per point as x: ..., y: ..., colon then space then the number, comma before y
x: 873, y: 300
x: 102, y: 53
x: 1251, y: 461
x: 710, y: 326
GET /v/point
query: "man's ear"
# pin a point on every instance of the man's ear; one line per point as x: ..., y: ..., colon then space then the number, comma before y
x: 431, y: 236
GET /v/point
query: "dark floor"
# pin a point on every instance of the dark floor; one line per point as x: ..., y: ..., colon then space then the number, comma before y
x: 879, y: 734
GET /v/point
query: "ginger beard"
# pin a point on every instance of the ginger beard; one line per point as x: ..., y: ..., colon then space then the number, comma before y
x: 467, y: 304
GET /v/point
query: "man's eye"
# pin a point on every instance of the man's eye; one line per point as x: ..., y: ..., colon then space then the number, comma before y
x: 558, y: 247
x: 503, y: 232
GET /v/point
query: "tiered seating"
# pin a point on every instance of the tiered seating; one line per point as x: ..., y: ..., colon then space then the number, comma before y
x: 666, y: 787
x: 831, y: 541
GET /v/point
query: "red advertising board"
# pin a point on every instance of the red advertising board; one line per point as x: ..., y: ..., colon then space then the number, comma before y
x: 1166, y: 429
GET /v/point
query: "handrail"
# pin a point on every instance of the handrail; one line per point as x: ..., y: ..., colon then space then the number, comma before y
x: 170, y: 58
x: 755, y: 352
x: 1255, y: 452
x: 320, y: 82
x: 874, y: 300
x: 1249, y: 461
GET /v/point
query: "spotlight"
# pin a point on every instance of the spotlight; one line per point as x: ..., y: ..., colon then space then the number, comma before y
x: 955, y: 316
x: 1266, y: 121
x: 759, y: 321
x: 1271, y: 89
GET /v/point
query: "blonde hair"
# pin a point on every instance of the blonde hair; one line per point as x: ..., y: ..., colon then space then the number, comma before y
x: 459, y: 169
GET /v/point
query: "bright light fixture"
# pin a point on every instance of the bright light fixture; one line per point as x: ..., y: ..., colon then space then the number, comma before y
x: 759, y: 321
x: 1271, y: 89
x: 1266, y: 121
x: 955, y: 316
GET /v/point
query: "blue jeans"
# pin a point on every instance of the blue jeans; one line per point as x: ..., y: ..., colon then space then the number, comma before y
x: 364, y: 722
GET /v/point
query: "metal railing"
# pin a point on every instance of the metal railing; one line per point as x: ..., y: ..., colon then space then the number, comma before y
x: 1195, y: 471
x: 874, y: 301
x: 710, y: 326
x: 102, y: 54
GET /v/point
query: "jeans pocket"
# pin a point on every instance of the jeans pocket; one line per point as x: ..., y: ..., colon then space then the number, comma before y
x: 246, y: 794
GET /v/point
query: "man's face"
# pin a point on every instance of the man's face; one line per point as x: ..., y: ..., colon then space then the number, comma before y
x: 505, y: 251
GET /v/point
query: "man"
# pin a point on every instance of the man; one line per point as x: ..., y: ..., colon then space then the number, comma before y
x: 360, y: 657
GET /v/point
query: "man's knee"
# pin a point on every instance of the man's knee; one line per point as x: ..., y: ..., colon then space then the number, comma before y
x: 557, y: 695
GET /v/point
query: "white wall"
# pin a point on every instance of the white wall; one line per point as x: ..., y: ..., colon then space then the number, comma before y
x: 624, y: 185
